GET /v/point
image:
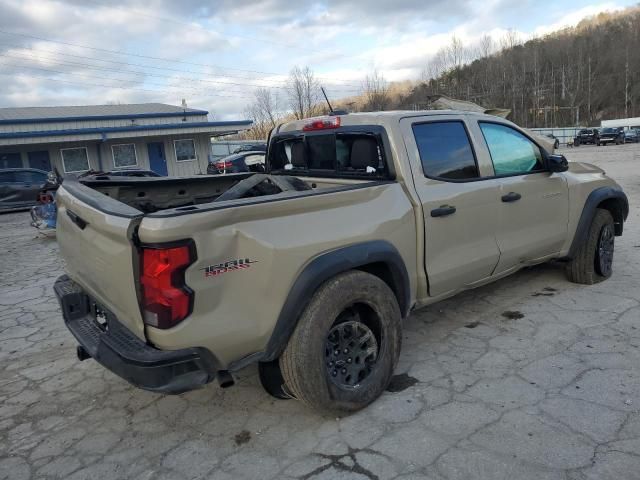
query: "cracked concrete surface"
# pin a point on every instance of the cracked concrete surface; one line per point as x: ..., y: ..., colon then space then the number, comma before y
x: 528, y: 378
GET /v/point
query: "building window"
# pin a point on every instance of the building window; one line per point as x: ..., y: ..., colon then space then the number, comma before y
x: 75, y: 159
x: 185, y: 150
x: 124, y: 155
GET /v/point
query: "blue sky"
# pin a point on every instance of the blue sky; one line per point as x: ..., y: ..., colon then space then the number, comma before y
x: 215, y: 54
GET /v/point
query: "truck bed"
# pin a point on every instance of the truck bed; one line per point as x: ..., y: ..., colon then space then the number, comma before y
x: 175, y: 196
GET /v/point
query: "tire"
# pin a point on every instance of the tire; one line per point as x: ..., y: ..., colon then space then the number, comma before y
x: 353, y: 307
x: 593, y: 262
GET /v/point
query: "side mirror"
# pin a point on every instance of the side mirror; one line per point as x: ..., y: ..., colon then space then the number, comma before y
x: 557, y: 163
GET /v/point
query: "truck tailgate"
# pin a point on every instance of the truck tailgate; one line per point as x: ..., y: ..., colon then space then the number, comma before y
x: 99, y: 253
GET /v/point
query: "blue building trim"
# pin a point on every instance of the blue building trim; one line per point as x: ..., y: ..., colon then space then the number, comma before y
x: 89, y: 118
x: 133, y: 128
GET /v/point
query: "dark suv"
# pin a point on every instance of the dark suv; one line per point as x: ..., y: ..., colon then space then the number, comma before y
x: 611, y: 135
x: 587, y: 135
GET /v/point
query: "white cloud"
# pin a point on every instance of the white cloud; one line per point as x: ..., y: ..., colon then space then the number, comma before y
x: 340, y: 41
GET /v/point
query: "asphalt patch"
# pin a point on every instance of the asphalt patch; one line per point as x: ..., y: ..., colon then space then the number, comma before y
x: 243, y: 437
x: 513, y: 315
x: 401, y: 382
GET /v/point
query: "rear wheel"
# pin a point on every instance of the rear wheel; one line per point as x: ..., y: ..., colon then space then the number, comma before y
x: 593, y: 262
x: 343, y: 351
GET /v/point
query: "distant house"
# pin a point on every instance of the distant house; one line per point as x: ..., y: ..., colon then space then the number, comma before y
x: 170, y: 140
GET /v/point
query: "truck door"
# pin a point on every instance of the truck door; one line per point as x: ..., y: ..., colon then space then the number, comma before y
x: 534, y: 203
x: 458, y: 206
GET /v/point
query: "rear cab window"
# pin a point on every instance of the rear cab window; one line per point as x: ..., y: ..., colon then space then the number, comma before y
x: 357, y: 154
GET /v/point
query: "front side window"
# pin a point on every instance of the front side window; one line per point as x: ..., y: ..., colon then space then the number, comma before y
x: 185, y: 150
x: 511, y: 152
x: 124, y: 155
x: 75, y: 159
x: 445, y: 150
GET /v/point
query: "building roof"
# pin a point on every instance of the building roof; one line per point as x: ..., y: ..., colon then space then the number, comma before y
x: 93, y: 112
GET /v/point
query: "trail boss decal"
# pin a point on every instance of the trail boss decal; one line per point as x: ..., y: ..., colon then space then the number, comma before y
x: 230, y: 266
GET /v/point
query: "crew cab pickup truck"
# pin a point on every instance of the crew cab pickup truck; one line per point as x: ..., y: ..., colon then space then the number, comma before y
x: 310, y: 268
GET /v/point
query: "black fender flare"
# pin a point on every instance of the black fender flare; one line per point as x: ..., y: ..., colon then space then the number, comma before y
x: 327, y: 265
x: 594, y: 199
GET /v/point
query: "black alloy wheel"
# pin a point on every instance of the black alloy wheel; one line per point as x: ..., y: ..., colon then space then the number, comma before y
x: 604, y: 256
x: 351, y: 348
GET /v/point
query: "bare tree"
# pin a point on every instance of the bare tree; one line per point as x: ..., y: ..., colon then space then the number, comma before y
x: 264, y: 112
x: 486, y: 47
x: 376, y: 91
x: 303, y: 89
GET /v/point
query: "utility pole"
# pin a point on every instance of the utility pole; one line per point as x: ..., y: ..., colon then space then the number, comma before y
x: 626, y: 84
x: 589, y: 93
x: 553, y: 100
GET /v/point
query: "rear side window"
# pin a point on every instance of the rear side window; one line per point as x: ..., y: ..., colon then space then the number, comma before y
x: 445, y: 150
x: 511, y: 152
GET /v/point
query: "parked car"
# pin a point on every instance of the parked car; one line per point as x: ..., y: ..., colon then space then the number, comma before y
x: 587, y: 136
x: 556, y: 142
x: 632, y: 136
x: 611, y: 136
x: 252, y: 161
x: 19, y: 187
x: 309, y: 269
x: 252, y: 147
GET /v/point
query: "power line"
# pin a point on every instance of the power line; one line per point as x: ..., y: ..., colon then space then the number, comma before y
x: 117, y: 62
x: 164, y: 90
x: 137, y: 72
x: 138, y: 55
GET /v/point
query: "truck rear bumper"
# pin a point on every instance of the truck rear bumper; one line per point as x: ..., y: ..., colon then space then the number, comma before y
x: 119, y: 350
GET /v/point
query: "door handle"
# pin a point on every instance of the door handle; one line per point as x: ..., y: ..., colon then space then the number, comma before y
x: 443, y: 211
x: 79, y: 221
x: 511, y: 197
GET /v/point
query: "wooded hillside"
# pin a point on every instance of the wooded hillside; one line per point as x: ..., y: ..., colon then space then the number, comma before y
x: 575, y: 76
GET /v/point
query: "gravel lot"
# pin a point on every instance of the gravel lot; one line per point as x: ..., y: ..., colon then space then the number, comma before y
x: 529, y: 378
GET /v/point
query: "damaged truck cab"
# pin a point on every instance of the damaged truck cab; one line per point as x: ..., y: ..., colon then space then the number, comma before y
x: 310, y: 268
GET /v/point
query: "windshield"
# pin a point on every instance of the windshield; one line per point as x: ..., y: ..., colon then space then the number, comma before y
x: 328, y: 154
x: 585, y: 131
x: 609, y: 130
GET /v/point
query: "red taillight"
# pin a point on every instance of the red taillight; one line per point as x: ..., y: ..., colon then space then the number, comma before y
x: 322, y: 123
x: 224, y: 165
x: 166, y: 300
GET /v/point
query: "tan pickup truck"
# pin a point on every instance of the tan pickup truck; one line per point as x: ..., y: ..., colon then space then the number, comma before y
x: 310, y: 268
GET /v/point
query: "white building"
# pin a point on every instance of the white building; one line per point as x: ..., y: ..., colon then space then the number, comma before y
x: 621, y: 122
x: 169, y: 140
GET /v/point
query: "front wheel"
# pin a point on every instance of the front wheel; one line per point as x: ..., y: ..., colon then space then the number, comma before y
x: 593, y: 262
x: 342, y: 353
